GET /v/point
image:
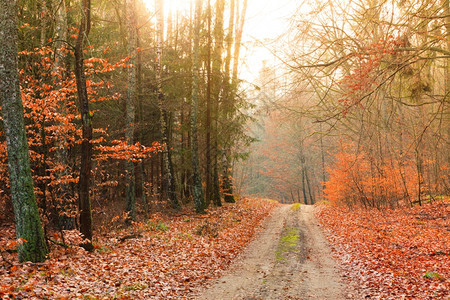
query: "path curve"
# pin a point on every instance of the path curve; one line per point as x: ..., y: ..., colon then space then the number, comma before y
x: 289, y: 259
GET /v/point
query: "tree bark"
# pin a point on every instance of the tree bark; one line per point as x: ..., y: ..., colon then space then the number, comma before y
x: 217, y: 80
x: 311, y: 194
x: 305, y: 197
x: 237, y: 43
x: 208, y: 168
x: 139, y: 98
x: 228, y: 109
x: 67, y: 207
x: 130, y: 113
x: 198, y: 192
x: 86, y: 121
x: 27, y: 219
x: 447, y: 82
x: 168, y: 176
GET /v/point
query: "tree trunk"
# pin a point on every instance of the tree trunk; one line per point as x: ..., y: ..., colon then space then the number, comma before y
x: 208, y: 167
x: 308, y: 183
x: 141, y: 121
x: 305, y: 198
x: 447, y: 85
x: 217, y: 80
x: 198, y: 192
x: 65, y: 219
x: 131, y: 98
x: 168, y: 176
x: 227, y: 181
x: 237, y: 43
x: 27, y: 219
x: 228, y: 109
x: 322, y: 156
x: 86, y: 121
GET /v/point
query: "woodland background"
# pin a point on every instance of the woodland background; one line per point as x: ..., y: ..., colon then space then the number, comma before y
x: 140, y: 72
x: 355, y: 113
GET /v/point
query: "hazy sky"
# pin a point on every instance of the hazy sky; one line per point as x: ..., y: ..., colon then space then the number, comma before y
x: 265, y: 19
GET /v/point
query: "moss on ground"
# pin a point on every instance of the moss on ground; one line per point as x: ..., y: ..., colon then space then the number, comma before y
x: 295, y: 206
x: 288, y: 243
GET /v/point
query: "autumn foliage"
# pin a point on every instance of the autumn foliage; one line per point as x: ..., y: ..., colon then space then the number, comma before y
x: 166, y: 257
x: 363, y: 80
x: 392, y: 253
x: 359, y: 178
x: 53, y: 125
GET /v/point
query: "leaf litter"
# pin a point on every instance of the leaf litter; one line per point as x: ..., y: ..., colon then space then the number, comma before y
x: 167, y: 257
x: 400, y: 253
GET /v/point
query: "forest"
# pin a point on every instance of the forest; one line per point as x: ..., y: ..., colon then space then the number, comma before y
x: 138, y: 157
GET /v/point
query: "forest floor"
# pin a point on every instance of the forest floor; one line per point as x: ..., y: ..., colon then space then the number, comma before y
x: 254, y: 249
x: 401, y: 253
x: 290, y: 259
x: 166, y: 256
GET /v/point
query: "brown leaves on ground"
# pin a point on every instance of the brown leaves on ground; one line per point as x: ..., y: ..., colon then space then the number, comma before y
x: 393, y: 253
x: 165, y: 257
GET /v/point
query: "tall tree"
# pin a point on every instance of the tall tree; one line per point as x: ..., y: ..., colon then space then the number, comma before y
x: 198, y: 192
x: 208, y: 128
x: 66, y: 220
x: 238, y: 39
x: 228, y: 110
x: 216, y: 90
x: 130, y: 115
x: 140, y: 103
x: 27, y: 219
x: 168, y: 176
x: 86, y: 123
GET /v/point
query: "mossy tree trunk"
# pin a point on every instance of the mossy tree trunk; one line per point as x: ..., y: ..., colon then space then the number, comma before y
x: 27, y: 219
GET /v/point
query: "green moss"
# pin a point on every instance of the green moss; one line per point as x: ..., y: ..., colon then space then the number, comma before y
x: 151, y: 226
x: 290, y: 239
x: 295, y: 206
x: 162, y: 227
x: 279, y: 255
x: 185, y: 236
x: 323, y: 202
x: 288, y: 243
x: 67, y: 272
x: 136, y: 287
x: 103, y: 249
x: 432, y: 275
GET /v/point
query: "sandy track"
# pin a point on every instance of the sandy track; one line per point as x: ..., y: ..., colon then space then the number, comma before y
x: 289, y: 259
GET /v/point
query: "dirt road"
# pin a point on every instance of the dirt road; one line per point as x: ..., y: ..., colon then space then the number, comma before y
x: 290, y: 259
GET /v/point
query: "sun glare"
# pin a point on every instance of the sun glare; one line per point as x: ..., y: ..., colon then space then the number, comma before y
x: 171, y: 6
x: 265, y: 20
